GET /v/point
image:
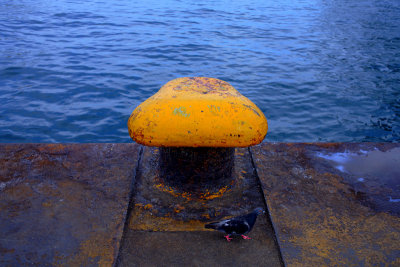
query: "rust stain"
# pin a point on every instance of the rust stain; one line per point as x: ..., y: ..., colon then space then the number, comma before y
x: 178, y: 208
x: 98, y: 250
x: 320, y: 242
x: 209, y: 195
x: 318, y: 218
x: 145, y: 220
x: 6, y: 250
x: 189, y: 207
x: 47, y: 204
x: 168, y: 189
x: 52, y: 148
x: 206, y: 216
x: 189, y: 196
x: 148, y: 206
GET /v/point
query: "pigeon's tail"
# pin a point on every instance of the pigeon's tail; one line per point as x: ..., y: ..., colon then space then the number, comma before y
x: 211, y: 226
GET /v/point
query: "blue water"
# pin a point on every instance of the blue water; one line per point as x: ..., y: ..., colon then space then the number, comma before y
x: 320, y: 70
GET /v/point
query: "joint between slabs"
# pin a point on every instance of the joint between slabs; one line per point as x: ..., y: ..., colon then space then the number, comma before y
x: 276, y: 240
x: 135, y: 174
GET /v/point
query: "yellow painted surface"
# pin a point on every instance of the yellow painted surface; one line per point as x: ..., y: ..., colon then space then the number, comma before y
x: 197, y: 112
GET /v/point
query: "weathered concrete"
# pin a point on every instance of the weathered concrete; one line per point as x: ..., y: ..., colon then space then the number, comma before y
x: 64, y: 204
x: 166, y: 224
x: 330, y: 204
x: 200, y: 248
x: 333, y: 204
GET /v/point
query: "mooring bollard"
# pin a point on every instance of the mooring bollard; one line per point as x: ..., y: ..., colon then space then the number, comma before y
x: 197, y: 122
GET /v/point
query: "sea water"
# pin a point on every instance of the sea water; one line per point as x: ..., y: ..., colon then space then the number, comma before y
x: 73, y: 71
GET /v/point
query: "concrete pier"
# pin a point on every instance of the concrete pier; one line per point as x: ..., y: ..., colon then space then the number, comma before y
x: 108, y: 205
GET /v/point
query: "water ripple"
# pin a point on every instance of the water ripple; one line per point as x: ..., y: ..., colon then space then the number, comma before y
x: 73, y: 71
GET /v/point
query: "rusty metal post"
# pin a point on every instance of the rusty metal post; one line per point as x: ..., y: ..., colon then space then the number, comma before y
x: 196, y: 169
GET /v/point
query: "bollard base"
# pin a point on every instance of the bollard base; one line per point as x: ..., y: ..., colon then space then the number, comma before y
x: 196, y: 170
x: 164, y: 203
x: 170, y: 215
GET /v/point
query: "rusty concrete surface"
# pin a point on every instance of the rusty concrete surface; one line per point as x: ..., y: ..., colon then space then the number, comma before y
x: 166, y: 223
x: 333, y: 204
x: 64, y: 204
x: 330, y: 204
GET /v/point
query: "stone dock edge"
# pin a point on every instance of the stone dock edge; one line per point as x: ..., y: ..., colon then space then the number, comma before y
x: 107, y: 205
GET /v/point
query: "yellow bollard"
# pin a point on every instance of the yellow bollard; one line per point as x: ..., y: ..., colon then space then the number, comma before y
x: 197, y: 112
x: 197, y: 122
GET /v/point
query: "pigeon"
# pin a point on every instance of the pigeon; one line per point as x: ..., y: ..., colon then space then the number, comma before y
x: 240, y: 225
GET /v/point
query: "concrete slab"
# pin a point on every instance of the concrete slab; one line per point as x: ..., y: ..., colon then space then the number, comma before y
x: 64, y: 204
x: 333, y: 204
x: 166, y: 223
x: 199, y: 248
